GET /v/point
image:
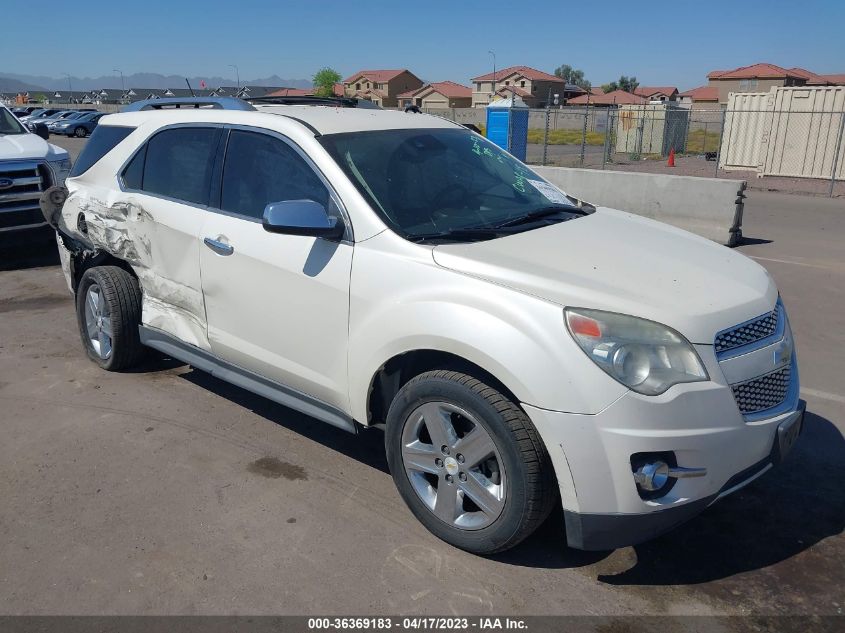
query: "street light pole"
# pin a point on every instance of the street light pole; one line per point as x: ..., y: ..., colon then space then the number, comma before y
x: 494, y: 75
x: 69, y: 88
x: 237, y: 75
x: 122, y: 85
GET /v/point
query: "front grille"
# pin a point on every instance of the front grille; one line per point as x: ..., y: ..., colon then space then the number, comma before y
x: 765, y: 392
x: 755, y: 330
x: 19, y: 202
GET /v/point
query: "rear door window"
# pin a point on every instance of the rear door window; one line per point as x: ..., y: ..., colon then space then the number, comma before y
x: 103, y: 140
x: 179, y: 162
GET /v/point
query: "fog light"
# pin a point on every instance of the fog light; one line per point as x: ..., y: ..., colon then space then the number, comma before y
x: 652, y: 476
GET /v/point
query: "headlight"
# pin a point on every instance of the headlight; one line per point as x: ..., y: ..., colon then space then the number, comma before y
x: 643, y: 355
x: 60, y: 168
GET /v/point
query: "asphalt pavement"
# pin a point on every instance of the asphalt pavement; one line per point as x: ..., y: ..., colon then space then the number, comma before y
x: 166, y: 491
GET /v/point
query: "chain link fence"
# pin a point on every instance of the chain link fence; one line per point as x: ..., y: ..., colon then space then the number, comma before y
x: 799, y: 151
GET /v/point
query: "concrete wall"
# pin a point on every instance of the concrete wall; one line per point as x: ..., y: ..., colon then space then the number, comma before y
x: 709, y: 207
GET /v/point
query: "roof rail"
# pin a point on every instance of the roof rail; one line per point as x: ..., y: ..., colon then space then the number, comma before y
x: 342, y: 102
x: 215, y: 103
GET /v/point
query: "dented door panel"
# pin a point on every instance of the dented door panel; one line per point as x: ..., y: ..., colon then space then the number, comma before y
x: 159, y: 238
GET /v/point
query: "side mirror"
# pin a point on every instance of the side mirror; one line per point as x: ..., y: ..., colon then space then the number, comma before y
x: 302, y: 217
x: 42, y: 131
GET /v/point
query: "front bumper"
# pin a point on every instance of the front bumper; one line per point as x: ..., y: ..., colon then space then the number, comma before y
x: 699, y: 423
x: 588, y: 531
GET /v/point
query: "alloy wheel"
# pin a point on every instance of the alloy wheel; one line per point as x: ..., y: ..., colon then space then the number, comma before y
x: 98, y: 323
x: 453, y: 465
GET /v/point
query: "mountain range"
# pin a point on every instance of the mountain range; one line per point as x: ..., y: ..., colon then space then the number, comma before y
x: 14, y: 82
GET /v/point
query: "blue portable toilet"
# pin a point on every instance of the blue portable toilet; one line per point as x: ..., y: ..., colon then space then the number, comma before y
x: 507, y: 125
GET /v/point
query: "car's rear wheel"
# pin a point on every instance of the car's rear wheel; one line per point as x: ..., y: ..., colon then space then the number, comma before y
x: 468, y: 462
x: 79, y: 132
x: 108, y: 310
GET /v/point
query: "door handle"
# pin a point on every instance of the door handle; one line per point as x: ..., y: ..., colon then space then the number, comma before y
x: 221, y: 248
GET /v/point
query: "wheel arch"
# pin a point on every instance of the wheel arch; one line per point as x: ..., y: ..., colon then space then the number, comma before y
x: 394, y: 373
x: 85, y: 260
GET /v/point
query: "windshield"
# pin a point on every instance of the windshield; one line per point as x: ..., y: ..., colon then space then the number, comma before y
x: 9, y: 123
x: 430, y: 182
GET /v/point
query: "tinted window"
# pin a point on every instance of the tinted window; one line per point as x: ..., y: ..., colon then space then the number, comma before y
x: 103, y: 140
x: 178, y: 163
x: 133, y: 175
x: 261, y: 169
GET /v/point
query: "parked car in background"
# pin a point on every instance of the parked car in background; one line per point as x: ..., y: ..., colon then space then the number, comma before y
x: 57, y: 116
x: 28, y: 167
x: 24, y: 111
x: 79, y: 126
x: 40, y: 114
x: 66, y: 116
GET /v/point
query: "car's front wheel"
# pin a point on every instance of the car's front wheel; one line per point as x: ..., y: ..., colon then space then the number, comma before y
x: 468, y: 462
x: 108, y: 310
x: 79, y: 132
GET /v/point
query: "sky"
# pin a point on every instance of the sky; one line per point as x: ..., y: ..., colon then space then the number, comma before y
x: 661, y: 43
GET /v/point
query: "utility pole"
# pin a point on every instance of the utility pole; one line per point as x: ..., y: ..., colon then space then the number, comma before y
x: 122, y: 85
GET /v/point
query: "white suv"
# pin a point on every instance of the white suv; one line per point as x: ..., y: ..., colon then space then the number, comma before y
x: 381, y: 268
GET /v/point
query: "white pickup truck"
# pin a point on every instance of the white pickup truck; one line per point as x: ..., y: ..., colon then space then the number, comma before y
x: 29, y: 165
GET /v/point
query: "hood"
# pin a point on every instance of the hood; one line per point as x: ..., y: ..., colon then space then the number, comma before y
x: 616, y: 261
x: 29, y: 146
x: 15, y: 146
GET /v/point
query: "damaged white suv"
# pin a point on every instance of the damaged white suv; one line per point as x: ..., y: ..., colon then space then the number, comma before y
x: 381, y: 268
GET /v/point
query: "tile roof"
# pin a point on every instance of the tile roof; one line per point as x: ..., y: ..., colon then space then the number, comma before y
x: 291, y: 92
x: 451, y: 89
x: 410, y: 93
x: 702, y: 93
x: 618, y: 97
x: 526, y: 71
x: 647, y: 91
x: 761, y: 70
x: 514, y: 89
x: 836, y: 78
x: 814, y: 79
x: 378, y: 76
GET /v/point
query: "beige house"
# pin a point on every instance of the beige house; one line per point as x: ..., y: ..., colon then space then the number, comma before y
x: 439, y: 95
x: 534, y: 86
x: 701, y: 98
x: 382, y: 87
x: 762, y: 77
x: 657, y: 93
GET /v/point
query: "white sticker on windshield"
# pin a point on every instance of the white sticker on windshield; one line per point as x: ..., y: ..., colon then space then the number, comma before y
x: 552, y: 193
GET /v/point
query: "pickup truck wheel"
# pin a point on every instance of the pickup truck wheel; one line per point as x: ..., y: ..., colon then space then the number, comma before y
x: 108, y: 310
x: 468, y: 462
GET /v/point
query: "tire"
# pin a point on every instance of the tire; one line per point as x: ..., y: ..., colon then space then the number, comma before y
x: 80, y: 132
x: 108, y: 311
x: 499, y: 500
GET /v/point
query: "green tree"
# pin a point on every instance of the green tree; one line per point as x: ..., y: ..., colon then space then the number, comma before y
x: 573, y: 76
x: 324, y: 81
x: 628, y: 84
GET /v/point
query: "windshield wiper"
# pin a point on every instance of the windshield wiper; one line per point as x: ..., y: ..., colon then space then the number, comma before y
x: 487, y: 233
x: 541, y: 213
